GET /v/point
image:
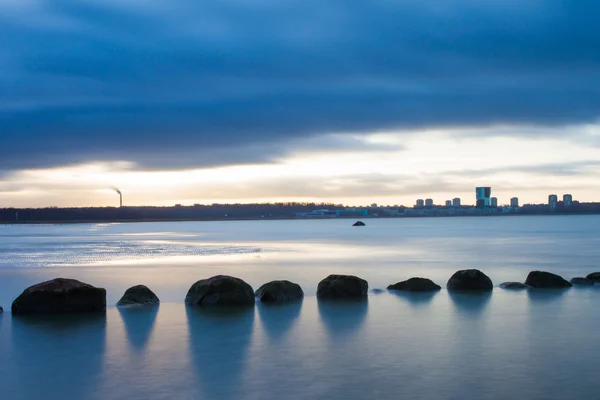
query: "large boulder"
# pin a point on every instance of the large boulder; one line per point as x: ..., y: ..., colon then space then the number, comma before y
x: 469, y: 280
x: 513, y: 285
x: 416, y: 285
x: 342, y: 287
x: 582, y: 281
x: 277, y: 291
x: 546, y: 280
x: 60, y: 296
x: 1, y: 310
x: 220, y: 290
x: 358, y: 223
x: 594, y: 276
x: 138, y: 295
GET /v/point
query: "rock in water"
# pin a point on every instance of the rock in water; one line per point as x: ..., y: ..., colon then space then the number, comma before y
x: 416, y: 285
x: 60, y: 296
x: 359, y: 223
x: 546, y: 280
x: 220, y: 290
x: 377, y: 291
x: 278, y: 291
x: 1, y: 310
x: 594, y: 276
x: 138, y: 295
x: 469, y: 280
x: 582, y: 281
x: 513, y: 285
x: 342, y: 287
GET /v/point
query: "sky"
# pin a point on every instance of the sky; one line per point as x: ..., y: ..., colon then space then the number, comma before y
x: 355, y: 102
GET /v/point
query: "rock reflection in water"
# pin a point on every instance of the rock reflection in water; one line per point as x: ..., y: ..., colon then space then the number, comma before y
x: 278, y: 319
x: 139, y: 323
x: 56, y: 354
x: 219, y: 338
x: 343, y: 317
x: 470, y: 304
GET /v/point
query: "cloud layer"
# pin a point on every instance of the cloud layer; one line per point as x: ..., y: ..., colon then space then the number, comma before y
x: 196, y: 84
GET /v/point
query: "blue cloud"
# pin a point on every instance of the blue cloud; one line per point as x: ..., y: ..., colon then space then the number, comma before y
x: 229, y: 81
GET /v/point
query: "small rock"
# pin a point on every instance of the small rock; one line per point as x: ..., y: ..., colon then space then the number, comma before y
x: 546, y: 280
x: 1, y: 310
x: 359, y: 223
x: 220, y: 290
x: 513, y: 285
x: 278, y: 291
x: 594, y: 276
x: 470, y: 280
x: 342, y: 286
x: 138, y: 295
x: 416, y: 285
x: 60, y: 296
x: 582, y: 281
x: 377, y: 291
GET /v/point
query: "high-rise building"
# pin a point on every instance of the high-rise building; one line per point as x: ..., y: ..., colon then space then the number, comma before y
x: 428, y: 203
x: 482, y: 195
x: 494, y: 202
x: 456, y: 202
x: 448, y: 203
x: 567, y: 200
x: 514, y: 202
x: 420, y: 203
x: 553, y: 201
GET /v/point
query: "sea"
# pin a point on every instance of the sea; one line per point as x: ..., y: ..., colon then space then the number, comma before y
x: 531, y: 344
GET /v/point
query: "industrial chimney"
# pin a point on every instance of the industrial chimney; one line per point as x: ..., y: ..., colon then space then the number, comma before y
x: 120, y: 197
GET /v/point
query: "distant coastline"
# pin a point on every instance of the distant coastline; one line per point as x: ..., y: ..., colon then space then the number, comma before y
x: 273, y: 218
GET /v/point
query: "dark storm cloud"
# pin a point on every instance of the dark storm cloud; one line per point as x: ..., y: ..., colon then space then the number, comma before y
x: 188, y: 84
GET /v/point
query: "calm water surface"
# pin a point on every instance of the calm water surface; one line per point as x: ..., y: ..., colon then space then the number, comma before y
x: 529, y: 345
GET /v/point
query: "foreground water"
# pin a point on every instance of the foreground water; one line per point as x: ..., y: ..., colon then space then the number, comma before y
x: 530, y: 345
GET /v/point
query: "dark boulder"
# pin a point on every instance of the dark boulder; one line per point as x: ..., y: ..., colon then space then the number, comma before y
x: 1, y: 310
x: 513, y: 285
x: 416, y: 285
x: 594, y: 276
x: 582, y: 281
x: 377, y: 291
x: 546, y: 280
x: 220, y: 290
x: 342, y: 287
x: 60, y: 296
x: 359, y: 223
x: 279, y: 291
x: 138, y: 295
x: 470, y: 280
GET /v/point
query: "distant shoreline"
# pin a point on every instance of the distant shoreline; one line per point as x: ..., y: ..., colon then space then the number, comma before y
x: 354, y: 218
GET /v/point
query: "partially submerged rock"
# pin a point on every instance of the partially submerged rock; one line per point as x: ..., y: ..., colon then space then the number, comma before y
x: 377, y: 291
x: 470, y: 280
x: 1, y: 310
x: 279, y: 291
x: 513, y: 285
x: 594, y: 276
x: 59, y: 296
x: 546, y: 280
x: 582, y: 281
x: 220, y: 290
x: 138, y: 295
x: 359, y: 223
x: 416, y: 285
x: 342, y: 287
